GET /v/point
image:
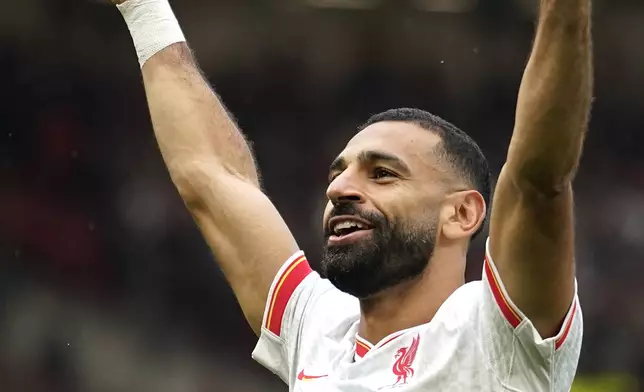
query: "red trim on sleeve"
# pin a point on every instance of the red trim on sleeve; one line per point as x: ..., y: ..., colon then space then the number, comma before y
x: 566, y: 329
x: 293, y: 275
x: 501, y: 299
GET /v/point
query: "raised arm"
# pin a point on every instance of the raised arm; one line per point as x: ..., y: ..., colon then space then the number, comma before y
x: 208, y: 158
x: 531, y: 228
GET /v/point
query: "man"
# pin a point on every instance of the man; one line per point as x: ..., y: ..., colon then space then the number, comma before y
x: 406, y: 196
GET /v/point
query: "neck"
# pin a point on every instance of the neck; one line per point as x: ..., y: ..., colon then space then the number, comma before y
x: 411, y: 303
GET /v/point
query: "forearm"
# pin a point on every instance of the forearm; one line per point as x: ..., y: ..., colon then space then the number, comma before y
x: 190, y: 123
x: 193, y: 129
x: 554, y: 98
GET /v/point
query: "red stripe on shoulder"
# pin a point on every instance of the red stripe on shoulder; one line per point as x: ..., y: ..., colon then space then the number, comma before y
x: 566, y: 330
x: 292, y: 276
x: 504, y: 304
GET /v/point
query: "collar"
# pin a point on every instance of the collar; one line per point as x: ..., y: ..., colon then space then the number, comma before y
x: 363, y: 347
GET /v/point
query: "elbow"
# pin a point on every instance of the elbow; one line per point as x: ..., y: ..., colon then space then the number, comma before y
x: 198, y: 180
x: 542, y: 181
x: 191, y: 181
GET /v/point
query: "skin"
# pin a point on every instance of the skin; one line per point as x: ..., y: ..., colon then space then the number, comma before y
x: 531, y: 223
x: 531, y: 227
x: 416, y: 187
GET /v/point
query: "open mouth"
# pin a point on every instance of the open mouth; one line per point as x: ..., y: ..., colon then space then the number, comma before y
x: 346, y: 229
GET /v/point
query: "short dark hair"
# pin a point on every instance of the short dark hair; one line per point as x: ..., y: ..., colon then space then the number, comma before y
x: 461, y: 151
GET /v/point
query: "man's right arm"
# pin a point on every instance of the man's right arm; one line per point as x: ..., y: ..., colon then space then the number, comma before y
x: 212, y: 166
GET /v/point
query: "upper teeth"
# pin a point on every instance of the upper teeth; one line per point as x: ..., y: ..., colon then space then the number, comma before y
x: 348, y: 224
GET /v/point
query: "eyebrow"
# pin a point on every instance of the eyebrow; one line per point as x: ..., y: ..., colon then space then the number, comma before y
x: 371, y: 156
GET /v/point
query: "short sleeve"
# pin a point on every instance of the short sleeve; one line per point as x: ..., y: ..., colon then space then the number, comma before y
x: 295, y: 288
x: 519, y: 356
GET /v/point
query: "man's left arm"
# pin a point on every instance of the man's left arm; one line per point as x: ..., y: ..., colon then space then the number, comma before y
x: 531, y: 228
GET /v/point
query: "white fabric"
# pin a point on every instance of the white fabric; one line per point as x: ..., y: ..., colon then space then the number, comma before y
x: 152, y: 25
x: 468, y: 346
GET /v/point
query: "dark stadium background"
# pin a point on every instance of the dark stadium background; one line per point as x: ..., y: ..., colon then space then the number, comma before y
x: 105, y: 283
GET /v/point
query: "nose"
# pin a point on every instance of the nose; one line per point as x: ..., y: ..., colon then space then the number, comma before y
x: 344, y: 189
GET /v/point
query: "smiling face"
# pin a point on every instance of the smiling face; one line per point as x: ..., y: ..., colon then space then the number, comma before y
x: 383, y: 216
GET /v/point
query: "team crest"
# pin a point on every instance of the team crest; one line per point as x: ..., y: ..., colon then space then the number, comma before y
x: 404, y: 359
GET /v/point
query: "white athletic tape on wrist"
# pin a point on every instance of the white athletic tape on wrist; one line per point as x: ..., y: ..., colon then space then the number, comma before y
x: 152, y: 25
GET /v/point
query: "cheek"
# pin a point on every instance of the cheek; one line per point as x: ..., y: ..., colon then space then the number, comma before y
x: 412, y: 206
x: 423, y: 211
x: 430, y: 202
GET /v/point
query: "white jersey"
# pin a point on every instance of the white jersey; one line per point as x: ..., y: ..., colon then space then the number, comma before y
x: 477, y: 341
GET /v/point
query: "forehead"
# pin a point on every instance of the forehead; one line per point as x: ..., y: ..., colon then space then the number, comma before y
x: 406, y: 141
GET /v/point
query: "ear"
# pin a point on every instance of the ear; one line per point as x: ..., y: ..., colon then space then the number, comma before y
x: 464, y: 213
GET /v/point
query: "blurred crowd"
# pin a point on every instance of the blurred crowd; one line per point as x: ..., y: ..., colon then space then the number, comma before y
x: 105, y: 282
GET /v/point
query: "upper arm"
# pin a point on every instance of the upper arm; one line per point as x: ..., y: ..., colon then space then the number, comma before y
x: 532, y: 244
x: 247, y: 235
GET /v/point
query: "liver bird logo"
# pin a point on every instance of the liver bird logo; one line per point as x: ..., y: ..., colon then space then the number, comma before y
x: 404, y: 359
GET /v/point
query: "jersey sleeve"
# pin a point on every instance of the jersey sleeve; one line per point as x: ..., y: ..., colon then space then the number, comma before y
x: 295, y: 292
x: 520, y: 357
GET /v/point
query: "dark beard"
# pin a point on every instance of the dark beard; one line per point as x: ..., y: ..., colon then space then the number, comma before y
x: 395, y: 253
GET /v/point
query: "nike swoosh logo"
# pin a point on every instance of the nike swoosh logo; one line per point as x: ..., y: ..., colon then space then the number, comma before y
x: 303, y: 377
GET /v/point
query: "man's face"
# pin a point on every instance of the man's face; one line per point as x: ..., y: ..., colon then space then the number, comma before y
x: 381, y: 221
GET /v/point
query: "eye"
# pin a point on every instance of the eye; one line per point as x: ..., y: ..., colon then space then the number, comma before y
x: 333, y: 176
x: 380, y: 173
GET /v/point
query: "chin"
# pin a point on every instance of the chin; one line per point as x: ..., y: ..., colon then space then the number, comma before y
x: 350, y: 272
x: 364, y: 273
x: 376, y: 260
